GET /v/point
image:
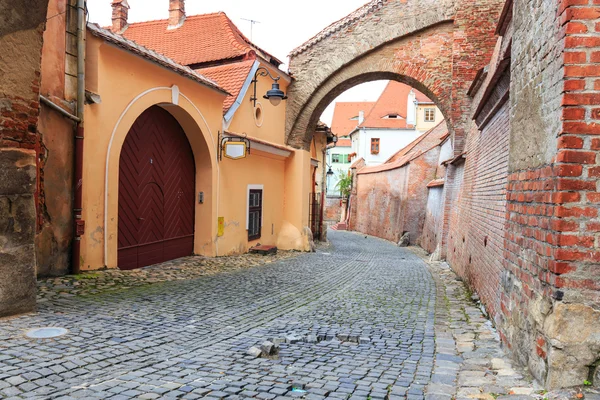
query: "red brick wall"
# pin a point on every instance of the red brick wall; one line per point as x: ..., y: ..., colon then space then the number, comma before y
x: 392, y: 202
x: 478, y: 230
x: 551, y: 281
x: 472, y: 48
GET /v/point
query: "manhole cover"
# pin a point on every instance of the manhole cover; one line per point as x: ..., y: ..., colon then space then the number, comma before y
x: 46, y: 333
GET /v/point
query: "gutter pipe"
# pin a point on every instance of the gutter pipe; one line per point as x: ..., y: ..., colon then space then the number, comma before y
x: 78, y: 162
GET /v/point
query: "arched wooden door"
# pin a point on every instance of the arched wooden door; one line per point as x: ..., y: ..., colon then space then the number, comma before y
x: 156, y: 192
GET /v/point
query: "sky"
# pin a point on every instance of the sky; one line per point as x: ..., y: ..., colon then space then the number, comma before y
x: 281, y: 27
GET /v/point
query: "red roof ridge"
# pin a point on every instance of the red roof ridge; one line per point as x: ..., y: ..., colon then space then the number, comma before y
x: 163, y: 20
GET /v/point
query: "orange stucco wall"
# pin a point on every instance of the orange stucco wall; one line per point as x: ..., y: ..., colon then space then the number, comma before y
x: 284, y: 181
x: 128, y: 85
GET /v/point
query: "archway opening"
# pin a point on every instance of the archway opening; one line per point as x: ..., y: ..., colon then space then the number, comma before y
x: 374, y: 116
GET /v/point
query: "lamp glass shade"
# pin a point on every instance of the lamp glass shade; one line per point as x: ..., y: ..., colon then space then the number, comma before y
x: 275, y: 95
x: 335, y: 138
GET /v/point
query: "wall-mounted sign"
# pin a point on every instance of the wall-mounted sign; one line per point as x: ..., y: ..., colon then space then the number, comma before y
x: 234, y: 150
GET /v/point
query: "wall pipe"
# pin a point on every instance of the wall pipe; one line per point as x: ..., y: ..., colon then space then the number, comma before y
x: 79, y: 224
x: 59, y: 109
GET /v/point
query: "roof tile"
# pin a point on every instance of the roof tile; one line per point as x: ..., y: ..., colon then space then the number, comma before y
x: 343, y: 123
x: 201, y: 39
x: 393, y: 101
x: 231, y: 77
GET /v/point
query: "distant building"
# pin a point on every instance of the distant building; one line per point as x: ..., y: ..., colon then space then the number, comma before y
x: 374, y: 131
x: 346, y: 117
x: 400, y: 115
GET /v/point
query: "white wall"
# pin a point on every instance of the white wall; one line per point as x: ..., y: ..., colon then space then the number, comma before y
x: 390, y: 142
x: 446, y: 151
x: 332, y: 180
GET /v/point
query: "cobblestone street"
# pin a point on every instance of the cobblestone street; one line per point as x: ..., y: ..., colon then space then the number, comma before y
x: 360, y: 319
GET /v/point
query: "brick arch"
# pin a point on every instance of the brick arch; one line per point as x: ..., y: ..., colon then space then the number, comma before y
x: 411, y: 60
x: 436, y: 46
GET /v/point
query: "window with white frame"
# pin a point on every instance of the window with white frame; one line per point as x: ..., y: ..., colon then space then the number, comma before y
x: 430, y: 115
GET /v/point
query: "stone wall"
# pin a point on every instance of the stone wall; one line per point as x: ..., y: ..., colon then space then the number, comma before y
x: 21, y: 29
x: 332, y: 211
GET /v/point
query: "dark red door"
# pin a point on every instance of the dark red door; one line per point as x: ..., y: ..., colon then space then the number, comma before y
x: 156, y: 192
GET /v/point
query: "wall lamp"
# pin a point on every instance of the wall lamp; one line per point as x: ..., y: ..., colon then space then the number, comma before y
x: 275, y: 95
x: 330, y: 172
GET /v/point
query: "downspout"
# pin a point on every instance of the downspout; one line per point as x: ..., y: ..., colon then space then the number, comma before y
x: 78, y: 162
x: 323, y: 190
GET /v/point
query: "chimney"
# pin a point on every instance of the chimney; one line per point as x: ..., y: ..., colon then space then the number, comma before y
x: 361, y: 117
x: 176, y: 13
x: 120, y: 11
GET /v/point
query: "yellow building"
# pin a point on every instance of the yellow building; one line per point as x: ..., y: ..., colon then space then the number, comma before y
x: 166, y: 101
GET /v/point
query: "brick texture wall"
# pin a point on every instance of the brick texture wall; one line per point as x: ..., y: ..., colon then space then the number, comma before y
x: 550, y: 300
x: 477, y: 233
x: 392, y: 202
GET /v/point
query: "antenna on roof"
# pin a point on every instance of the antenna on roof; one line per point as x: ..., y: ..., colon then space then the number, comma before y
x: 252, y: 22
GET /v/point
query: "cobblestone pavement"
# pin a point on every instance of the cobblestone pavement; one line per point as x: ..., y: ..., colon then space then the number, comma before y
x: 362, y: 320
x: 181, y: 269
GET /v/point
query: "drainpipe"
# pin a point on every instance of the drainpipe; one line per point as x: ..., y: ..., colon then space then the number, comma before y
x: 323, y: 189
x: 78, y: 162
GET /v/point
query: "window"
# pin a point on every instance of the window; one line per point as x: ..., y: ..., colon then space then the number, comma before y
x: 375, y: 146
x: 429, y: 114
x: 336, y: 158
x: 255, y: 201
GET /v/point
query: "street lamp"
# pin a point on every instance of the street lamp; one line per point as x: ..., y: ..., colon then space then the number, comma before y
x: 275, y: 95
x: 330, y: 172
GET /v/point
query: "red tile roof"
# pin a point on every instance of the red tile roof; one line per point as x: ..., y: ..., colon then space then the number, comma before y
x: 343, y: 123
x: 344, y: 143
x: 201, y: 39
x: 231, y: 77
x: 430, y: 139
x: 393, y: 101
x: 151, y: 55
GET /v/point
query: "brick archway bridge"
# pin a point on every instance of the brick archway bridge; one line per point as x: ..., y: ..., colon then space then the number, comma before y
x: 432, y: 45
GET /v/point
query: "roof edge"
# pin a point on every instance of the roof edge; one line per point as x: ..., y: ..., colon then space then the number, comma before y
x: 238, y: 102
x: 153, y: 56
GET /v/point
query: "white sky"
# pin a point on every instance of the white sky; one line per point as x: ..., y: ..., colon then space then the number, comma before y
x: 282, y: 26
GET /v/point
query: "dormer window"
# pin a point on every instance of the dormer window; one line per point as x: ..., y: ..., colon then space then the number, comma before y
x: 430, y: 115
x: 392, y: 116
x: 354, y: 118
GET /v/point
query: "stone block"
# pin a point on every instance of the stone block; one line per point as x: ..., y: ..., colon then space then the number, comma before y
x: 17, y: 230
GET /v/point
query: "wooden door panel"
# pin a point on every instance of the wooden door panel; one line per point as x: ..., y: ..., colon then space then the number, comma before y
x: 156, y: 192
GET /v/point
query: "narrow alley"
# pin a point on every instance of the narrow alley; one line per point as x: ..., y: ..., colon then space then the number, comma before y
x: 361, y: 318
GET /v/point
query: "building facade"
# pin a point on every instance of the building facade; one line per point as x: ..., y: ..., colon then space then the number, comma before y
x: 400, y: 115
